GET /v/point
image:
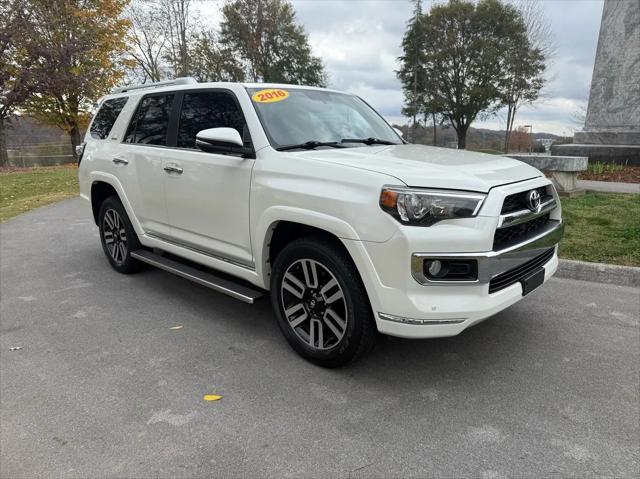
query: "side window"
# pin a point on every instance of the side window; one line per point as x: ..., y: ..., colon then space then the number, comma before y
x: 106, y: 117
x: 204, y: 110
x: 150, y: 123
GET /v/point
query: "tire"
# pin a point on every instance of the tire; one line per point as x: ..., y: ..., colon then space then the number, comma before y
x: 320, y: 303
x: 118, y: 237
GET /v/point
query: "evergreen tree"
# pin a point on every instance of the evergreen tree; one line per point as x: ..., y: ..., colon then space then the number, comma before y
x: 411, y: 73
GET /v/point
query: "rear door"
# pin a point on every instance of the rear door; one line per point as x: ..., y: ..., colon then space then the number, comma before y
x: 208, y: 193
x: 140, y: 161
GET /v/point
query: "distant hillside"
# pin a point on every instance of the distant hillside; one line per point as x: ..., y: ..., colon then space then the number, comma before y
x: 26, y: 137
x: 23, y: 131
x: 477, y: 138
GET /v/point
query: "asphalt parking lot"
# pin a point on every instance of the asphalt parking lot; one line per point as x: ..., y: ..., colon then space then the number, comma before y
x: 102, y: 387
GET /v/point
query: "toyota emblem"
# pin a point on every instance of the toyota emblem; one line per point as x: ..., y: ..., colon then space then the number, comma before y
x: 533, y: 200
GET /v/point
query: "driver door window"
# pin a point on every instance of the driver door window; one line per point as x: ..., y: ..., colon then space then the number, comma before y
x: 204, y: 110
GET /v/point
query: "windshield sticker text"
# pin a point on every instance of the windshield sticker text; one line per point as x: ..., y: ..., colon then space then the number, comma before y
x: 270, y: 95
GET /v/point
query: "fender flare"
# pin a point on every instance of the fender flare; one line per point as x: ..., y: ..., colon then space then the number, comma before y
x: 111, y: 180
x: 270, y: 218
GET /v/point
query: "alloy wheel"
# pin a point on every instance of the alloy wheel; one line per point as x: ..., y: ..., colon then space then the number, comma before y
x: 114, y: 235
x: 314, y: 304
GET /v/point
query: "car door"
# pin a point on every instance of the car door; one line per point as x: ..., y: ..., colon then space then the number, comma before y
x: 207, y: 194
x: 140, y: 161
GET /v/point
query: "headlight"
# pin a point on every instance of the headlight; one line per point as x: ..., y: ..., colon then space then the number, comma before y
x: 425, y: 207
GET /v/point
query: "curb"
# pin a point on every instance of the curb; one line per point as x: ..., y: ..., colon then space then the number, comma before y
x: 599, y: 272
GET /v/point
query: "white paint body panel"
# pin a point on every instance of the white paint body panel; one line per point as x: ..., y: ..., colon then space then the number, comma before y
x: 221, y: 210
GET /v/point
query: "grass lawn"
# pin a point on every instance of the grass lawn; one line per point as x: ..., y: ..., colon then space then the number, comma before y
x: 602, y: 228
x: 27, y: 188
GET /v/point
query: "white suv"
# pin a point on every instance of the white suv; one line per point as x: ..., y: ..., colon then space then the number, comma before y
x: 309, y: 194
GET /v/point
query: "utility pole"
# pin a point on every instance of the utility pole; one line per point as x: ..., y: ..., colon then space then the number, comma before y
x: 530, y: 136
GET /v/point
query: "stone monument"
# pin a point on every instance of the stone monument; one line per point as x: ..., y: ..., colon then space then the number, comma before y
x: 612, y: 127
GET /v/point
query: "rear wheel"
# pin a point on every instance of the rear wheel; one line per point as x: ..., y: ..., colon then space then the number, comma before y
x: 117, y: 236
x: 320, y: 303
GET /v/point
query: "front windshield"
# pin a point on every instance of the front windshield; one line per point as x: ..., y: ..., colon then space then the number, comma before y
x: 295, y: 116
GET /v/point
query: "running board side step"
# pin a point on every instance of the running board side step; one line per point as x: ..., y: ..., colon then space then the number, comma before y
x: 210, y: 280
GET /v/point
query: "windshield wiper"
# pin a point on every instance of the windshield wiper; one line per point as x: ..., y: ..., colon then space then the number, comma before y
x: 368, y: 141
x: 310, y: 145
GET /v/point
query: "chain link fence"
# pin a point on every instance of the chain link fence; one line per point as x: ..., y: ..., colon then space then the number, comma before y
x: 41, y: 154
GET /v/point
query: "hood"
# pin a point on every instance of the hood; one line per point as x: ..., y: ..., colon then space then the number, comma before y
x: 432, y: 167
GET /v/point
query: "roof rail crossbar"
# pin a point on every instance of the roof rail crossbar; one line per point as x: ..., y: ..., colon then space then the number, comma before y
x: 175, y: 81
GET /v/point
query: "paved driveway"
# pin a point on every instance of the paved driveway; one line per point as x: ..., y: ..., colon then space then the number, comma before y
x: 103, y: 387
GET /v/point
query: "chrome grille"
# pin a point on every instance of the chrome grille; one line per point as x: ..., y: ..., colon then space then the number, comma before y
x: 518, y: 201
x: 506, y: 237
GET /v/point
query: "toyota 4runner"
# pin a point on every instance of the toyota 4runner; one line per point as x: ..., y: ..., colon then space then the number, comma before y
x: 309, y: 194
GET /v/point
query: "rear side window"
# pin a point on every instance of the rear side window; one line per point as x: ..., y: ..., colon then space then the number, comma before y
x: 151, y: 122
x: 204, y: 110
x: 106, y: 117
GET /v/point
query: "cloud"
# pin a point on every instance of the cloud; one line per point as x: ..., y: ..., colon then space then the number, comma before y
x: 359, y: 41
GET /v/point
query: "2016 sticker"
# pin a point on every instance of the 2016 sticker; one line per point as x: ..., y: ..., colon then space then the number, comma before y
x: 270, y: 96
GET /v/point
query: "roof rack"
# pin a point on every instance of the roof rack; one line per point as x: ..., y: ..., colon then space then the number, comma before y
x: 175, y: 81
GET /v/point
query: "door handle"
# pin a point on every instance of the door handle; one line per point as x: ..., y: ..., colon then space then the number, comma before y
x: 120, y: 161
x: 173, y: 168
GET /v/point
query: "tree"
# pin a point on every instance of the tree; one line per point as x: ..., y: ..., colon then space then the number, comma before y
x: 210, y: 62
x: 16, y: 71
x: 527, y: 57
x: 465, y: 57
x: 80, y: 44
x: 520, y: 140
x: 149, y: 36
x: 264, y: 36
x: 411, y: 73
x: 178, y: 27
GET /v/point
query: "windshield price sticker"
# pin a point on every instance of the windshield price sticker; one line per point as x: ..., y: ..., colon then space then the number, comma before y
x: 270, y: 96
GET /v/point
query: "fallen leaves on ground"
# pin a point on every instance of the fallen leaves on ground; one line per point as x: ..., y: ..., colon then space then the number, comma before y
x: 212, y: 397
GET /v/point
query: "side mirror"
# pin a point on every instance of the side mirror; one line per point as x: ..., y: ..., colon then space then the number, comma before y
x: 399, y: 132
x: 222, y: 140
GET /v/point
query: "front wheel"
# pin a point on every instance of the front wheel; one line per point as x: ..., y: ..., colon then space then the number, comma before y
x: 320, y: 303
x: 117, y: 236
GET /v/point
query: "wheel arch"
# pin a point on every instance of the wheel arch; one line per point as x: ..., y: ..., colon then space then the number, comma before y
x: 104, y: 185
x: 100, y: 191
x: 279, y: 232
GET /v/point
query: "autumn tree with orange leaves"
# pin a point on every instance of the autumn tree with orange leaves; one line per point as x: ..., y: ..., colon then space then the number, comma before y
x: 79, y: 50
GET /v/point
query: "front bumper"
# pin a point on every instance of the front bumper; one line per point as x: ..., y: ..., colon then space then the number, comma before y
x: 406, y: 305
x: 493, y: 263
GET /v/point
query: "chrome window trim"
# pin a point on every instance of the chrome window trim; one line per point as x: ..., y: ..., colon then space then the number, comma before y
x: 492, y: 263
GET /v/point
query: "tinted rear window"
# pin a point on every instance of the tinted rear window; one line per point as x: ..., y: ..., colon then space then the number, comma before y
x: 151, y: 122
x: 204, y: 110
x: 106, y: 117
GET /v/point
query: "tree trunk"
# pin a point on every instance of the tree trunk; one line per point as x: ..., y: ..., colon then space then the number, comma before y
x: 462, y: 137
x: 435, y: 131
x: 74, y: 136
x: 507, y: 136
x: 413, y: 128
x: 4, y: 157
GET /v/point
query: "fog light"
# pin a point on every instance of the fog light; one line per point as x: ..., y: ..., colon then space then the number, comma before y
x: 450, y: 269
x: 437, y: 268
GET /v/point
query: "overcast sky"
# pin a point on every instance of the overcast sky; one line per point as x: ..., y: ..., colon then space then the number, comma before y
x: 359, y: 41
